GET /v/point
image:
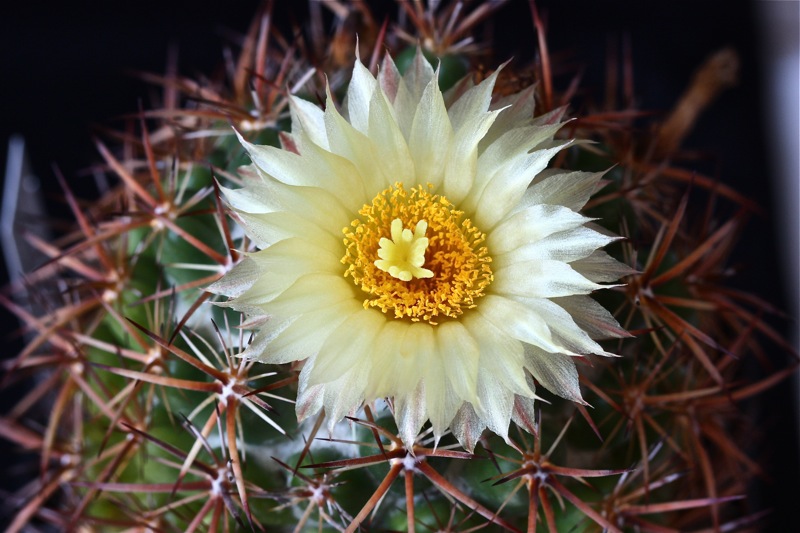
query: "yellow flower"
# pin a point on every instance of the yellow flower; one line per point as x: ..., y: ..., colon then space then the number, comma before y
x: 413, y: 248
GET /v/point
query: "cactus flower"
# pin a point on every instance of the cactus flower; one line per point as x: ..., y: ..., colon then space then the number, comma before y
x: 412, y: 247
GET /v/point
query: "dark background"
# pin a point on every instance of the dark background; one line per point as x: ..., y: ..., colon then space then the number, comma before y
x: 63, y: 70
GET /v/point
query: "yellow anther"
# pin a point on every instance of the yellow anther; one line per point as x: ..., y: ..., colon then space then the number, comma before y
x: 390, y: 270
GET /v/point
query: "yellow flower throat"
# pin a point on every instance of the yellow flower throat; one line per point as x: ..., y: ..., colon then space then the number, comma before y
x: 416, y: 256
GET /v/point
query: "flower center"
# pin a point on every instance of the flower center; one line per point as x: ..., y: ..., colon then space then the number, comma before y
x: 416, y: 256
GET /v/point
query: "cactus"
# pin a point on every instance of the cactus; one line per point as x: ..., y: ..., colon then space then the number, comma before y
x: 143, y: 417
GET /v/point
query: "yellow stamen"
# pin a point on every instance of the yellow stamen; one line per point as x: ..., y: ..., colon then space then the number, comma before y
x: 390, y: 270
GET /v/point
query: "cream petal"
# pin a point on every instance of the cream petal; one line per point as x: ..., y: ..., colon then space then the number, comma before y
x: 418, y: 76
x: 601, y: 267
x: 310, y: 119
x: 310, y: 292
x: 410, y: 413
x: 280, y: 265
x: 309, y: 397
x: 518, y: 321
x: 564, y: 246
x: 389, y: 79
x: 356, y: 147
x: 563, y: 328
x: 402, y: 358
x: 554, y: 371
x: 388, y: 375
x: 345, y: 395
x: 391, y: 149
x: 504, y: 191
x: 501, y: 355
x: 460, y: 356
x: 270, y: 196
x: 314, y: 167
x: 441, y: 399
x: 430, y: 137
x: 237, y: 280
x: 467, y: 427
x: 541, y: 279
x: 463, y: 156
x: 299, y: 337
x: 348, y: 346
x: 569, y: 189
x: 592, y: 317
x: 359, y: 95
x: 524, y: 412
x: 496, y: 403
x: 530, y: 226
x: 513, y: 145
x: 473, y: 103
x: 270, y: 228
x: 518, y: 113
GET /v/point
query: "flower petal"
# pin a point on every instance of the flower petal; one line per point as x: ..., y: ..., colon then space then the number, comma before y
x: 518, y: 321
x: 410, y: 413
x: 468, y: 427
x: 350, y: 345
x: 555, y: 371
x: 532, y: 225
x: 570, y: 189
x: 541, y: 279
x: 430, y: 137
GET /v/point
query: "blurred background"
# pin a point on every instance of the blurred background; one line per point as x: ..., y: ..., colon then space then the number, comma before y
x: 66, y: 71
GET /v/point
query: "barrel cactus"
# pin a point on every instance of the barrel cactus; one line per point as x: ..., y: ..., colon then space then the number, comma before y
x: 378, y: 279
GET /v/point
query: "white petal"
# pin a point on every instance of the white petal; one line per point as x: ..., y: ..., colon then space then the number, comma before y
x: 460, y: 356
x: 556, y: 372
x: 564, y: 329
x: 592, y: 317
x: 463, y: 156
x: 410, y: 413
x: 513, y: 145
x: 506, y: 188
x: 356, y: 147
x: 309, y: 118
x: 518, y: 321
x: 541, y: 279
x: 501, y: 355
x: 530, y: 226
x: 524, y: 411
x: 391, y: 150
x: 601, y: 267
x: 518, y: 112
x: 473, y: 103
x: 430, y: 137
x: 496, y: 403
x: 440, y: 398
x: 564, y: 246
x: 570, y: 189
x: 350, y: 345
x: 299, y: 337
x: 359, y: 94
x: 468, y: 427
